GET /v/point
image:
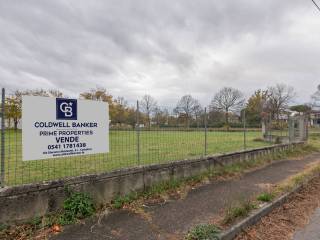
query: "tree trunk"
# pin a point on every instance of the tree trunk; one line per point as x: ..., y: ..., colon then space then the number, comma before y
x: 227, y: 119
x: 187, y: 120
x: 227, y: 116
x: 15, y: 124
x: 149, y: 121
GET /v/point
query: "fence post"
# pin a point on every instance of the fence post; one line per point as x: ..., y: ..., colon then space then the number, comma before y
x: 2, y: 137
x: 244, y: 130
x: 138, y: 133
x: 270, y: 127
x: 307, y: 127
x: 205, y: 132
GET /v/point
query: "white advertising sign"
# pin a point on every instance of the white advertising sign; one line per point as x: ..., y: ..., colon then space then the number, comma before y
x: 60, y: 127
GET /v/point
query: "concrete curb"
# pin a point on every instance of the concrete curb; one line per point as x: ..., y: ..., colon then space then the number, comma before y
x: 254, y: 217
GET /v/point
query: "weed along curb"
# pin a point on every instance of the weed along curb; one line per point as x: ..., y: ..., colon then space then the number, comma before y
x: 21, y: 203
x: 254, y: 217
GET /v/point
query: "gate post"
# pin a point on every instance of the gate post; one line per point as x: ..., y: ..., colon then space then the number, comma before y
x: 291, y: 129
x: 302, y: 128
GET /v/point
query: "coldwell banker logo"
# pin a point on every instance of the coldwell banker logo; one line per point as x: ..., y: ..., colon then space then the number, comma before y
x: 66, y: 109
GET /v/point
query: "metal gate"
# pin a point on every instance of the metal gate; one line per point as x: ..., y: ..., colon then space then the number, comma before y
x: 290, y: 130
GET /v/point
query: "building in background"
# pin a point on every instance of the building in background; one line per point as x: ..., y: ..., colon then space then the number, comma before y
x: 314, y: 118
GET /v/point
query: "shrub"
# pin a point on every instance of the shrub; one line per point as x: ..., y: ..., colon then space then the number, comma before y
x: 203, y: 232
x: 77, y: 206
x: 241, y: 210
x: 265, y: 197
x: 120, y: 201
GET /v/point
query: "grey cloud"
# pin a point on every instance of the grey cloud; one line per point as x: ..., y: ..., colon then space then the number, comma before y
x: 164, y: 48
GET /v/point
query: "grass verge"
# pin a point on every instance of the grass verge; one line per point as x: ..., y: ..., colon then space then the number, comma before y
x: 242, y: 209
x: 292, y: 216
x: 298, y: 179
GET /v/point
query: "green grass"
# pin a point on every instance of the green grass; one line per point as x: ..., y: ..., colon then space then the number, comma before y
x: 78, y: 205
x: 265, y: 197
x: 204, y: 232
x: 240, y: 210
x: 120, y: 201
x: 155, y: 147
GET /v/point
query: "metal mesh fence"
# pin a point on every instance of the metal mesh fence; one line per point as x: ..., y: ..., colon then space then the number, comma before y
x: 129, y: 147
x: 156, y: 146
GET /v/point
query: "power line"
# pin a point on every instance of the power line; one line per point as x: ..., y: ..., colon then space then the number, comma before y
x: 316, y: 4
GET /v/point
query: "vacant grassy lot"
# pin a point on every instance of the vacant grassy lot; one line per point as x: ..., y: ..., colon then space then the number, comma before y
x: 155, y: 147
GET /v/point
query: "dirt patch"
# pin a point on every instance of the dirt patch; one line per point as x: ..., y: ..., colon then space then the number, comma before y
x: 282, y: 222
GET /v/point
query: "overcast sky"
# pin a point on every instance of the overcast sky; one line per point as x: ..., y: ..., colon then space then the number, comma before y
x: 166, y: 48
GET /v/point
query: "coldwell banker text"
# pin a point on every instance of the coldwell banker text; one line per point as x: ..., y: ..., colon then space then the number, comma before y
x: 66, y: 124
x: 59, y: 127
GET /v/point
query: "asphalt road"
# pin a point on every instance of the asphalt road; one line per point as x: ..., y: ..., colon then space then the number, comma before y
x: 310, y: 231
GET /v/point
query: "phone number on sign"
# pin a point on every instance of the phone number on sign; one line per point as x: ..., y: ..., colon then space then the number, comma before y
x: 66, y: 146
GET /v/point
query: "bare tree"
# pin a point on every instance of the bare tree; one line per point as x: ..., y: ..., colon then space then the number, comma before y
x: 55, y: 93
x: 189, y: 107
x: 279, y: 97
x: 198, y: 113
x: 98, y: 94
x: 161, y: 116
x: 215, y: 116
x: 39, y: 92
x: 227, y: 100
x: 148, y: 106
